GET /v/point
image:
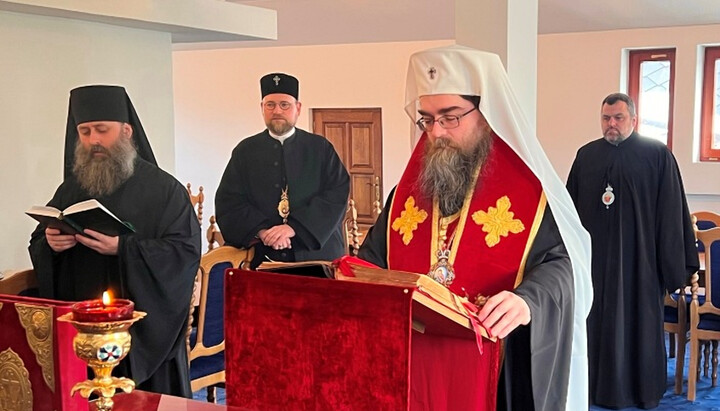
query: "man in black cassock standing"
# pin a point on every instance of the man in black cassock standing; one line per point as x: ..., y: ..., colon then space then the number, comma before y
x: 284, y: 190
x: 630, y: 197
x: 108, y: 157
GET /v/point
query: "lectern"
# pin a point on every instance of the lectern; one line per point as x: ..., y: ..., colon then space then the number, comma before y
x: 372, y: 342
x: 38, y: 366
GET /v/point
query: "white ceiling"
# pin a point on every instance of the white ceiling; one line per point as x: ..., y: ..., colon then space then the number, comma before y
x: 312, y: 22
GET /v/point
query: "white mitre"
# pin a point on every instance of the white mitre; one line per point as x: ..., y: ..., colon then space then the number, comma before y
x: 465, y: 71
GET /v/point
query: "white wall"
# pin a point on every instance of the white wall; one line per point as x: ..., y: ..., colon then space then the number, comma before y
x: 576, y: 71
x: 41, y: 59
x: 217, y: 100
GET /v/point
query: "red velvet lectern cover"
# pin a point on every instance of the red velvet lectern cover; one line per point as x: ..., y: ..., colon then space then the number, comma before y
x: 302, y: 343
x: 38, y: 366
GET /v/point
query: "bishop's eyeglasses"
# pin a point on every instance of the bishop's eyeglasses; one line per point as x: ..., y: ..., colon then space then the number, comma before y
x: 270, y: 105
x: 447, y: 121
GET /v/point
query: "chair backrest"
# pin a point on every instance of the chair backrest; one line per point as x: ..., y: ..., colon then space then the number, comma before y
x: 213, y: 235
x: 210, y: 337
x: 710, y: 239
x: 705, y: 220
x: 352, y: 233
x: 197, y: 201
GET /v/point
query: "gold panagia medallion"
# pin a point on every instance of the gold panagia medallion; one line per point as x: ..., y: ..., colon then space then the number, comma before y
x: 284, y: 205
x: 442, y: 271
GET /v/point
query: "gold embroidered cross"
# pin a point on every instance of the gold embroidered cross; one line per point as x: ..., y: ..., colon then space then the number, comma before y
x: 498, y: 221
x: 409, y: 220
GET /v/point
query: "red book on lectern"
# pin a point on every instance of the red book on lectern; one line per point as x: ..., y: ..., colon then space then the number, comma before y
x: 38, y: 366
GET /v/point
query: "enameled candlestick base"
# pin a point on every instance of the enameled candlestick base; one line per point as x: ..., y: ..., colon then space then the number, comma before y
x: 102, y: 345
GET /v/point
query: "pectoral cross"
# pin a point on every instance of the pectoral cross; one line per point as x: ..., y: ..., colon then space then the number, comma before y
x: 276, y: 79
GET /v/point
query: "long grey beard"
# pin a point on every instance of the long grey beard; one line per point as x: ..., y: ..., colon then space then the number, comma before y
x: 448, y: 172
x: 101, y: 176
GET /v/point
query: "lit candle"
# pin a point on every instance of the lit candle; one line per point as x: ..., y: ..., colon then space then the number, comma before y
x: 103, y: 310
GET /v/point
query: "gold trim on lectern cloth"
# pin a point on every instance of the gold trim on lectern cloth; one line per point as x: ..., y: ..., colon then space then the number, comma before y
x: 38, y: 324
x: 15, y: 389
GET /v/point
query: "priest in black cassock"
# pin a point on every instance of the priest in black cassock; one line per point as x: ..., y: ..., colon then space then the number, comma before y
x: 630, y: 197
x: 480, y: 209
x: 284, y: 190
x: 108, y: 158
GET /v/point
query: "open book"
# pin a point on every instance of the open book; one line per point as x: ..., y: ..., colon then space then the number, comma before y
x: 313, y: 268
x: 435, y: 303
x: 435, y: 300
x: 79, y: 216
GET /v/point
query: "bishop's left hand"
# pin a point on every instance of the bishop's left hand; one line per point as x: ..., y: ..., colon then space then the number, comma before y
x: 103, y: 244
x: 504, y: 312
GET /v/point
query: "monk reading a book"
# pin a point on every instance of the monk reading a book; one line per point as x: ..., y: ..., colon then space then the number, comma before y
x: 108, y: 158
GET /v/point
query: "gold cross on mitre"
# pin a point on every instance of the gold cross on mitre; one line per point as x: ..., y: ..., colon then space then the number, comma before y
x: 498, y: 221
x: 409, y: 220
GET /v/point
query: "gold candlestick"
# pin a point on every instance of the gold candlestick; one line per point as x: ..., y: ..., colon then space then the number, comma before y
x: 102, y: 345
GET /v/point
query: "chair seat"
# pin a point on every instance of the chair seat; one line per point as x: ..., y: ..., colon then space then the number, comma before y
x: 209, y: 365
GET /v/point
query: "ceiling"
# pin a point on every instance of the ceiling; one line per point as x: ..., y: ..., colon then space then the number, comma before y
x: 314, y: 22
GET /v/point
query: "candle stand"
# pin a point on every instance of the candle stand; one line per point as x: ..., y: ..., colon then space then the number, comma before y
x: 102, y: 345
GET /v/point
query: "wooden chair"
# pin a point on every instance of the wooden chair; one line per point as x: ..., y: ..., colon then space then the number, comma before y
x: 705, y: 315
x: 207, y: 353
x: 213, y: 235
x: 197, y: 201
x: 377, y: 204
x: 23, y: 282
x: 676, y: 324
x: 352, y: 233
x: 705, y: 220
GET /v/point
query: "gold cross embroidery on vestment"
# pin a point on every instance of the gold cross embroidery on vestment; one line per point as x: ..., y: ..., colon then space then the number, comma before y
x: 498, y: 221
x: 409, y: 220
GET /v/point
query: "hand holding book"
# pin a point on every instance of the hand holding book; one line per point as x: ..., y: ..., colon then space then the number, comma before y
x: 89, y: 214
x: 103, y: 244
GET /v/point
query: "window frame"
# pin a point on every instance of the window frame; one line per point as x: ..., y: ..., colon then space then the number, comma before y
x: 635, y: 59
x: 712, y: 53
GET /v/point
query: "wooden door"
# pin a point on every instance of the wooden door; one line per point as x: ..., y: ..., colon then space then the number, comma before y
x: 356, y: 135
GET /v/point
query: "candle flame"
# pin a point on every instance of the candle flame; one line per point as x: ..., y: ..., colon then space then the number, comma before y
x: 106, y: 298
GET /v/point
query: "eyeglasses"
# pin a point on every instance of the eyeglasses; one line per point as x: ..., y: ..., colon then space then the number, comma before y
x: 284, y: 105
x: 447, y: 121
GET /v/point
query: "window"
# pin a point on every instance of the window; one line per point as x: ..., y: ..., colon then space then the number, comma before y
x: 710, y: 111
x: 651, y: 86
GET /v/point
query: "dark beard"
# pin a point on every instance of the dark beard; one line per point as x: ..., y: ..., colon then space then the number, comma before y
x: 448, y: 171
x: 100, y: 176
